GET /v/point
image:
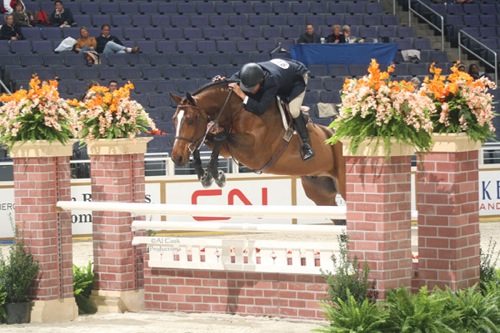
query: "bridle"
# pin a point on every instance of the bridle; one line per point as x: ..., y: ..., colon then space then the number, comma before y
x: 194, y: 144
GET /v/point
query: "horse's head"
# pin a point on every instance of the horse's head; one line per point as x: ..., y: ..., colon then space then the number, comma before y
x: 190, y: 127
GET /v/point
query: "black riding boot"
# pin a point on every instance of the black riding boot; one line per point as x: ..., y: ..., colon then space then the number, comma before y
x: 300, y: 126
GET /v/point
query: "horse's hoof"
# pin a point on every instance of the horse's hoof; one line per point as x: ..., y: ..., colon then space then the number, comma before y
x: 207, y: 180
x: 221, y: 179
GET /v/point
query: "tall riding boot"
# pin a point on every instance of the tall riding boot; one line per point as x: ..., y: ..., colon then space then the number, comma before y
x: 300, y: 126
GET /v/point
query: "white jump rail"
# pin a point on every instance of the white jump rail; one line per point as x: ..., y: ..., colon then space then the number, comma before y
x: 330, y: 212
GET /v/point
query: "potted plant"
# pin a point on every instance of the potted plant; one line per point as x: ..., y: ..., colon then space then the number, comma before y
x: 377, y: 110
x: 106, y: 115
x: 37, y: 115
x: 463, y: 106
x: 17, y: 275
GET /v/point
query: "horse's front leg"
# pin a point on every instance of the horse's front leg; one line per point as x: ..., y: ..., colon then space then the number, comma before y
x: 213, y: 166
x: 198, y: 168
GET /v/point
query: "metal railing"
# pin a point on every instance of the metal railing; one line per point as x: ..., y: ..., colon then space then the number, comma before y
x: 440, y: 28
x: 5, y: 87
x: 461, y: 46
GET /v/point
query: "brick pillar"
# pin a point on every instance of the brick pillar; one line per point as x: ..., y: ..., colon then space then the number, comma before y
x: 41, y: 178
x: 448, y: 213
x: 117, y: 172
x: 379, y: 213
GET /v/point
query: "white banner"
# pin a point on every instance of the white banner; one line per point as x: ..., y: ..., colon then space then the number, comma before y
x: 489, y: 192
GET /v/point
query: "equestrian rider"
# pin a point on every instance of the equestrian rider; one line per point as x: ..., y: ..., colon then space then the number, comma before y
x: 260, y: 83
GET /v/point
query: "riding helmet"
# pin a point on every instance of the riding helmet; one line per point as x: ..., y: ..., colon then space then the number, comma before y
x: 251, y: 74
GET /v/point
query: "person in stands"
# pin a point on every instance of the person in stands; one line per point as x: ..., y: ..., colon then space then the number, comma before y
x: 7, y: 6
x: 260, y: 83
x: 22, y: 18
x: 350, y: 39
x: 86, y: 45
x: 112, y: 85
x: 9, y: 30
x: 336, y: 37
x: 309, y: 36
x: 475, y: 72
x: 109, y: 44
x: 61, y: 17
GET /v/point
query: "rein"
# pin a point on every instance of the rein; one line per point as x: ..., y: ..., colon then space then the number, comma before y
x: 194, y: 144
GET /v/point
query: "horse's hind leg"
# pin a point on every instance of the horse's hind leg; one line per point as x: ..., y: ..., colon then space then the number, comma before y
x: 321, y: 190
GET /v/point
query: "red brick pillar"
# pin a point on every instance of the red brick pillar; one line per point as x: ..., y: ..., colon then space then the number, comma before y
x: 117, y: 172
x: 379, y: 212
x: 448, y: 213
x: 41, y: 178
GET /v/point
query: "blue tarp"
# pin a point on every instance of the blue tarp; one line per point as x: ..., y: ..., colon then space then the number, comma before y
x: 361, y: 54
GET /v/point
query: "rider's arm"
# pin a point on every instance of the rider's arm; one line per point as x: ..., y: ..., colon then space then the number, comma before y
x: 260, y: 106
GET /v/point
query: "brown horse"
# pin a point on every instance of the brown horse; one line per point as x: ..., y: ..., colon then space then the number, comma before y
x: 254, y: 140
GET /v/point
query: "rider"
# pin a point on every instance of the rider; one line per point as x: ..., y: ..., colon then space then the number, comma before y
x: 261, y: 82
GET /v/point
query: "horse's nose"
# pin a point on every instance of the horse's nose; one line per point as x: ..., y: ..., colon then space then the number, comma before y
x: 178, y: 160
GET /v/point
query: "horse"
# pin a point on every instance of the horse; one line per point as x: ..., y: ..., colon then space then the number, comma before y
x: 258, y: 142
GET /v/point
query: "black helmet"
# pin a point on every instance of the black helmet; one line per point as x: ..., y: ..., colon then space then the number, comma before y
x: 251, y: 74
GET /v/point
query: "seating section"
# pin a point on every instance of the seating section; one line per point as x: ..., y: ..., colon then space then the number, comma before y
x: 185, y: 43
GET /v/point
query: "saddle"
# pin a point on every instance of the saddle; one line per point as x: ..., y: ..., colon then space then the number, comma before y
x: 287, y: 119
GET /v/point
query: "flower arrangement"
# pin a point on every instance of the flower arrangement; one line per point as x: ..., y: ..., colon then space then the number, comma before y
x: 36, y: 114
x: 463, y: 105
x: 374, y: 107
x: 105, y: 114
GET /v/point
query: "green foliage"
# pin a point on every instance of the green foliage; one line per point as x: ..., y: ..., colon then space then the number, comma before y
x: 489, y: 259
x: 17, y: 274
x: 349, y: 278
x: 83, y: 282
x: 419, y: 313
x: 350, y: 315
x: 478, y: 313
x: 3, y: 301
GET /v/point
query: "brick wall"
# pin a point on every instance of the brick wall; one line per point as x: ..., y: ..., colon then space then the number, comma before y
x: 117, y: 264
x: 448, y: 221
x: 38, y: 184
x: 379, y: 217
x: 265, y: 294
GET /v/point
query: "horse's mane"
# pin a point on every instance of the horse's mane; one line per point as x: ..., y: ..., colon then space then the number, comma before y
x: 224, y: 82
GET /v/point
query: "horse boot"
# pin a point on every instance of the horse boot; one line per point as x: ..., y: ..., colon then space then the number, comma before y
x: 300, y: 126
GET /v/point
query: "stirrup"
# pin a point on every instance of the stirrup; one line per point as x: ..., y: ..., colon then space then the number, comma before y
x: 306, y: 152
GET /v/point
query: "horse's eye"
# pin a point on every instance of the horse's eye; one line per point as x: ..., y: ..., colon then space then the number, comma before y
x: 189, y: 121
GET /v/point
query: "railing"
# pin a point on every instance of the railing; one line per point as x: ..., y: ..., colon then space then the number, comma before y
x: 5, y: 87
x: 461, y: 46
x: 440, y: 28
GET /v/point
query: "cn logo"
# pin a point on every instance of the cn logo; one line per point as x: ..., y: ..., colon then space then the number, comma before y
x: 234, y: 195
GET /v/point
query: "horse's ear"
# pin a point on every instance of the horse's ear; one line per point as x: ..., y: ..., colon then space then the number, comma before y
x: 176, y: 99
x: 190, y: 99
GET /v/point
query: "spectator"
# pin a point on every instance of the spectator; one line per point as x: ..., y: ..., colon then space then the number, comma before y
x: 474, y: 71
x: 87, y: 45
x: 309, y: 36
x: 336, y: 36
x: 109, y: 44
x: 415, y: 81
x: 9, y: 30
x: 461, y: 67
x: 112, y: 85
x: 7, y: 6
x: 61, y: 17
x: 21, y: 17
x: 347, y: 35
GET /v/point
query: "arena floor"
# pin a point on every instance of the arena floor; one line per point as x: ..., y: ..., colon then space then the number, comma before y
x: 196, y: 323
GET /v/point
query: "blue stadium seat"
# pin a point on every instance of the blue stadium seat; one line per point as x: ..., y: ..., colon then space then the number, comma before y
x: 223, y: 7
x: 180, y: 21
x: 186, y: 46
x: 51, y: 33
x: 133, y: 33
x: 338, y: 70
x: 151, y: 73
x: 146, y: 7
x: 158, y: 20
x: 172, y: 33
x: 206, y: 46
x: 141, y: 20
x: 146, y: 46
x: 186, y: 8
x: 199, y: 21
x: 129, y: 7
x: 110, y: 8
x: 226, y: 46
x: 89, y: 8
x: 32, y: 33
x: 120, y: 20
x: 26, y: 60
x: 152, y: 33
x: 42, y: 47
x: 246, y: 45
x: 193, y: 33
x: 21, y: 47
x: 127, y: 73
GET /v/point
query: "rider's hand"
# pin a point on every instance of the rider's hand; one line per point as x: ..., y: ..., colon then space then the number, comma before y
x: 235, y: 87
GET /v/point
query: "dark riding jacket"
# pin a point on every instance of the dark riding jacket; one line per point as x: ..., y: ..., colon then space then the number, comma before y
x: 283, y: 78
